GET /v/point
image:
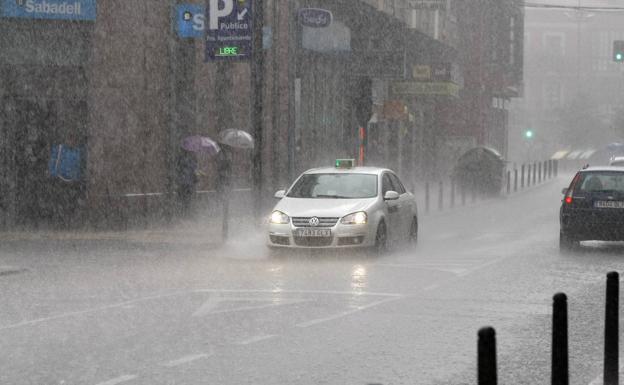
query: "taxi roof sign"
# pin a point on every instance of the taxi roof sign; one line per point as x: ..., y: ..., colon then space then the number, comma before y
x: 345, y: 163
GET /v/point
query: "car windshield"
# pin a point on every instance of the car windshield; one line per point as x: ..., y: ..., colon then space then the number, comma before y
x: 335, y: 186
x: 601, y: 181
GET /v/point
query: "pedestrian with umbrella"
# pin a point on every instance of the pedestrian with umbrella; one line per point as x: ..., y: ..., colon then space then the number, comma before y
x: 187, y: 167
x: 229, y: 140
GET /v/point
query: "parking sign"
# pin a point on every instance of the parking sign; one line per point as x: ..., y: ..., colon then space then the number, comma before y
x: 229, y: 30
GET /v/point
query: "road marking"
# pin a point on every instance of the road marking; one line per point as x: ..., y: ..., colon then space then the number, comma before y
x: 213, y: 302
x: 346, y: 313
x: 87, y: 311
x: 440, y: 267
x: 256, y: 339
x: 186, y: 359
x: 431, y: 287
x: 118, y: 380
x: 279, y: 291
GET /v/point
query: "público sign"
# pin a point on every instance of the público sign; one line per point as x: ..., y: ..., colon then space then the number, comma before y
x: 50, y: 9
x: 315, y: 17
x: 229, y: 32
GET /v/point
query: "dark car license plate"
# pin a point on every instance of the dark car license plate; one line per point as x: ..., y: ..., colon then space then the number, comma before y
x: 313, y: 233
x: 609, y: 204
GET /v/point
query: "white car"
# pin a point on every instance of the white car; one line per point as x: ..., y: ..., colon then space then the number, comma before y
x: 617, y: 161
x: 344, y: 207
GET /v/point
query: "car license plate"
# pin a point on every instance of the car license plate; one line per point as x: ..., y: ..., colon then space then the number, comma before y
x: 609, y: 204
x: 313, y: 233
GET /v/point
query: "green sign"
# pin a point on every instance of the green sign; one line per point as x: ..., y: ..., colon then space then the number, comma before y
x: 420, y: 88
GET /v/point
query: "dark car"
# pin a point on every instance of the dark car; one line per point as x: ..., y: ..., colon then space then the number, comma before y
x: 593, y: 207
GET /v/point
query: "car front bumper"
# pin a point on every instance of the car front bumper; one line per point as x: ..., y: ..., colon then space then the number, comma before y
x: 342, y: 236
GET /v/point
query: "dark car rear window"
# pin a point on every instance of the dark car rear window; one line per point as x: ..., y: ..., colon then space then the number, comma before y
x: 600, y: 181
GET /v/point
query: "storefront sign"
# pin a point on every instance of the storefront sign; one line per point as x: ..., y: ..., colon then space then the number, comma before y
x: 315, y: 17
x: 50, y: 9
x: 420, y: 88
x: 440, y: 72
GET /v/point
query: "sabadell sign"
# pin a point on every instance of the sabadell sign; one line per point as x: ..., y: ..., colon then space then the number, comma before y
x: 50, y: 9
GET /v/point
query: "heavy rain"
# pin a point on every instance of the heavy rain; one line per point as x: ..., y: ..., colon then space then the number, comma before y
x: 311, y: 191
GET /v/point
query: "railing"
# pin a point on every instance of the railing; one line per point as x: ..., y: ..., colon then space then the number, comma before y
x: 518, y: 179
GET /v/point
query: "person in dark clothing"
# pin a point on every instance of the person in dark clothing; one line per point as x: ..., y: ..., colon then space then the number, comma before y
x: 187, y: 179
x: 224, y: 184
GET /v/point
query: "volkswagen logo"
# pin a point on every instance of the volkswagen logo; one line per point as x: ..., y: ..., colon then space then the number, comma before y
x: 314, y: 221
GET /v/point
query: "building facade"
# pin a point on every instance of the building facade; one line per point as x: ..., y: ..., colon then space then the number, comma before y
x: 395, y: 83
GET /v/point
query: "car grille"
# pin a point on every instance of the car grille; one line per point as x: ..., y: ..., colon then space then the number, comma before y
x: 305, y: 221
x: 313, y: 241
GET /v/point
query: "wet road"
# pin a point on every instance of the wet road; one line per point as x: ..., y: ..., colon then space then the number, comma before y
x: 108, y: 312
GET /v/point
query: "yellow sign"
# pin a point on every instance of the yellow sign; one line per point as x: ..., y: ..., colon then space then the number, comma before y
x: 421, y: 72
x: 419, y: 88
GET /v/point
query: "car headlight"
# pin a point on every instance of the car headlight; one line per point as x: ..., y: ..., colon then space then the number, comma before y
x: 359, y: 218
x: 279, y: 218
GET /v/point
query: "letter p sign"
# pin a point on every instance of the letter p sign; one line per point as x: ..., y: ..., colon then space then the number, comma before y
x: 215, y: 13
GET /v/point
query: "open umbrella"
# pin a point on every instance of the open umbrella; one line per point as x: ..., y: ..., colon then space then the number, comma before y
x: 236, y: 138
x: 201, y: 144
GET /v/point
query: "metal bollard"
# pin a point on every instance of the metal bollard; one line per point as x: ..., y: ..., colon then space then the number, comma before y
x: 545, y: 172
x: 427, y: 197
x: 522, y: 177
x: 508, y: 182
x: 486, y: 356
x: 534, y: 173
x: 539, y: 172
x: 441, y: 196
x: 611, y: 352
x: 559, y: 375
x: 515, y: 179
x: 528, y: 175
x: 463, y: 195
x: 452, y: 192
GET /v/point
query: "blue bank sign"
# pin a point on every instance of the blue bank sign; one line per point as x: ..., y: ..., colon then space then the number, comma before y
x: 50, y: 9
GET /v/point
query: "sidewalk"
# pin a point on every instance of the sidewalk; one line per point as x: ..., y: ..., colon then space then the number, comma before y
x: 185, y: 232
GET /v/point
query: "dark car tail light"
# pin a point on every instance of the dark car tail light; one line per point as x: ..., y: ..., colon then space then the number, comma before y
x: 568, y: 197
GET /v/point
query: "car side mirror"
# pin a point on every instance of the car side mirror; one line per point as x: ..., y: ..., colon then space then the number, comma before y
x: 564, y: 191
x: 391, y: 196
x: 280, y: 194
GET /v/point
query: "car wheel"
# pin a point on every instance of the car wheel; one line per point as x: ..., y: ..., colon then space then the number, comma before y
x: 413, y: 235
x: 567, y: 243
x: 381, y: 239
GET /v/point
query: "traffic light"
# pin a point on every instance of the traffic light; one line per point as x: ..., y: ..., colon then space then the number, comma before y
x: 528, y: 134
x: 618, y: 51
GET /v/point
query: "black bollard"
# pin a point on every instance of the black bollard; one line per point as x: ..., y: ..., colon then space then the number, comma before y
x: 611, y: 352
x: 452, y: 192
x: 515, y: 179
x: 534, y: 173
x: 522, y: 177
x: 539, y: 172
x: 559, y: 375
x: 463, y: 195
x: 508, y: 182
x: 528, y: 175
x: 441, y: 196
x: 486, y: 357
x: 426, y: 196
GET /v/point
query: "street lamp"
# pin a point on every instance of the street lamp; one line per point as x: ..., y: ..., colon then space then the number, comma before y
x: 528, y: 134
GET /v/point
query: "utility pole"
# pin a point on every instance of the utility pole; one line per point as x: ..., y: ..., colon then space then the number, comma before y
x: 257, y: 90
